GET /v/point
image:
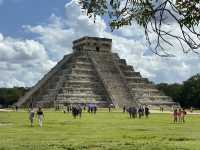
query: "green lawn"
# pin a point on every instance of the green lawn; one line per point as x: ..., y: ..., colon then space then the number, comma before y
x: 113, y: 131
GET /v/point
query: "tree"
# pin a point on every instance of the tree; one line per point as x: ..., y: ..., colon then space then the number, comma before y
x: 8, y: 96
x: 172, y: 90
x: 186, y: 94
x: 191, y: 92
x: 153, y: 16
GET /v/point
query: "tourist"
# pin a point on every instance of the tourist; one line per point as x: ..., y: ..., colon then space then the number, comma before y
x: 40, y: 115
x: 16, y: 108
x: 110, y: 107
x: 84, y: 107
x: 140, y: 112
x: 124, y: 109
x: 146, y: 111
x: 89, y: 108
x: 68, y: 108
x: 175, y: 115
x: 132, y: 112
x: 179, y: 113
x: 76, y: 111
x: 80, y: 111
x: 31, y: 116
x: 95, y: 109
x: 183, y: 113
x: 161, y: 109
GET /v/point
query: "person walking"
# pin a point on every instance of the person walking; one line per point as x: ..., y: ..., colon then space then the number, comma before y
x: 183, y: 114
x: 31, y: 116
x: 40, y: 115
x: 109, y: 108
x: 140, y: 112
x: 179, y: 114
x: 124, y: 109
x: 146, y: 111
x: 175, y: 115
x: 95, y: 109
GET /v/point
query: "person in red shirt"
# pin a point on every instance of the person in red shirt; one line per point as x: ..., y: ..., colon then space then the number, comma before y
x: 179, y: 113
x: 183, y: 113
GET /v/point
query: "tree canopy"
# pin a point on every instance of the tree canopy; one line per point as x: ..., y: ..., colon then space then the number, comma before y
x: 187, y: 94
x: 9, y: 96
x: 153, y: 16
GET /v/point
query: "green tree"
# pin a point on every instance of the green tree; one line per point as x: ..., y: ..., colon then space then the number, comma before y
x: 153, y: 16
x: 187, y: 94
x: 172, y: 90
x: 191, y: 92
x: 8, y: 96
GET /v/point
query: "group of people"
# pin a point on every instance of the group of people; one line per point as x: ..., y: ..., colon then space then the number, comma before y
x: 76, y: 110
x: 39, y: 115
x: 140, y: 112
x: 133, y: 112
x: 179, y: 115
x: 92, y: 108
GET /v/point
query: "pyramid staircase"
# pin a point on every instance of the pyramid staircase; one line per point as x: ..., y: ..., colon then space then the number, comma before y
x: 144, y: 92
x: 112, y: 79
x: 93, y: 74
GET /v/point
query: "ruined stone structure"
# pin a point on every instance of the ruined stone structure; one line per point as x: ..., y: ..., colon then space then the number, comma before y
x: 93, y: 74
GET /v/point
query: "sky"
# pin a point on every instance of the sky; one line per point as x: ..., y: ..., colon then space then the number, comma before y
x: 36, y: 34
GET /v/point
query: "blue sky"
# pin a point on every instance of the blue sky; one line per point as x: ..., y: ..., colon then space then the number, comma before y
x: 15, y: 13
x: 36, y: 34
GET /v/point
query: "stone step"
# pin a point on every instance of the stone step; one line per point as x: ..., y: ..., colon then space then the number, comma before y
x: 131, y: 74
x: 73, y: 91
x: 82, y: 67
x: 83, y: 71
x: 140, y: 85
x: 115, y: 56
x: 82, y: 78
x: 83, y: 59
x: 83, y: 82
x: 80, y: 98
x: 126, y: 67
x: 80, y: 101
x: 157, y: 97
x: 83, y: 63
x: 145, y: 90
x: 82, y: 75
x: 170, y: 103
x: 80, y: 95
x: 83, y: 88
x: 83, y: 85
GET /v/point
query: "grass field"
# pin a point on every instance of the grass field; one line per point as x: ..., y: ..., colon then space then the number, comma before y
x: 104, y: 131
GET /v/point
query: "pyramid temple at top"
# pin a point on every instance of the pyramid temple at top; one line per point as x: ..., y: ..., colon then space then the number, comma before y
x: 93, y: 74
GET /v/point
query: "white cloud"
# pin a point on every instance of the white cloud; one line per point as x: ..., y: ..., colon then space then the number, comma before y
x: 25, y: 61
x: 22, y: 62
x: 129, y: 42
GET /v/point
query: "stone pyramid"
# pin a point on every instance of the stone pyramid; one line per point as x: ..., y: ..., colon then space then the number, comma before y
x: 93, y: 74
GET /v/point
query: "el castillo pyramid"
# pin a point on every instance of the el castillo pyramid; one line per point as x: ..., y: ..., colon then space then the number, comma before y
x: 93, y: 74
